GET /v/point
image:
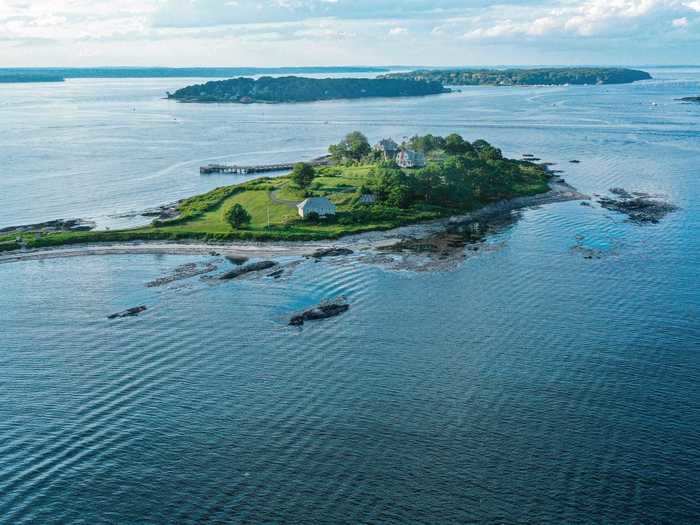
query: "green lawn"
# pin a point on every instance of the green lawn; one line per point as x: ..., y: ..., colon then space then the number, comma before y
x: 271, y: 204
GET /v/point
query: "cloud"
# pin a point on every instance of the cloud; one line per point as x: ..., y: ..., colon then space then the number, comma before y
x: 279, y: 32
x: 397, y: 31
x: 583, y: 19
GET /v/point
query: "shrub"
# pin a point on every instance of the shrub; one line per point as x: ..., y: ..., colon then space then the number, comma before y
x: 237, y: 216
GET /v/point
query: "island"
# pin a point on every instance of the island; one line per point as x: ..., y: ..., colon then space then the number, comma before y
x: 13, y: 77
x: 525, y: 77
x: 57, y: 74
x: 362, y: 188
x: 690, y: 99
x: 267, y: 89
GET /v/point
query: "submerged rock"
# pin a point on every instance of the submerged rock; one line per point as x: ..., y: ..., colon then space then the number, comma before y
x: 322, y: 311
x: 237, y: 259
x: 128, y: 313
x: 331, y: 252
x: 248, y: 268
x: 639, y: 207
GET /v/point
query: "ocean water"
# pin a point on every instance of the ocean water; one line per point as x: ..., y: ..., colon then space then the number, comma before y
x: 527, y: 384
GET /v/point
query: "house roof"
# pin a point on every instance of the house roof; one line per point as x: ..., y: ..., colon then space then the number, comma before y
x: 315, y: 202
x: 387, y: 144
x: 411, y: 155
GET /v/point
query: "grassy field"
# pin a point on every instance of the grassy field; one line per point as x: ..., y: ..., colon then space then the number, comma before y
x: 271, y: 202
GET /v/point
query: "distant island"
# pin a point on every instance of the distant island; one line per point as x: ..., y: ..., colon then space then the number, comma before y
x: 526, y: 77
x: 59, y: 74
x: 302, y: 89
x: 7, y: 77
x: 690, y: 99
x: 360, y: 188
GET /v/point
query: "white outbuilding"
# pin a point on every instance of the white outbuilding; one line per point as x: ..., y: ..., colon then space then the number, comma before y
x: 410, y: 159
x: 320, y: 205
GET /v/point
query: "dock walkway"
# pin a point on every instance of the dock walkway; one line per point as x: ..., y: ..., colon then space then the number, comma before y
x: 261, y: 168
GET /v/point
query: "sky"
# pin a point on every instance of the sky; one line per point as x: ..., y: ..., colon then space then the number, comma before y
x: 347, y: 32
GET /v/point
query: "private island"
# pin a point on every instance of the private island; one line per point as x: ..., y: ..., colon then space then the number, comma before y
x: 275, y: 90
x: 356, y: 188
x: 526, y: 77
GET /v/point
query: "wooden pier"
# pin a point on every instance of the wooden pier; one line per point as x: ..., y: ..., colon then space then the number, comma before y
x: 261, y: 168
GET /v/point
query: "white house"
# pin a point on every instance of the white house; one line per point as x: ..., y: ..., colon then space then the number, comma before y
x: 410, y: 159
x: 387, y: 147
x: 320, y: 205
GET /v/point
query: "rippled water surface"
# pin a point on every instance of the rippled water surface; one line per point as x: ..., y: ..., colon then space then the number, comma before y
x: 528, y: 384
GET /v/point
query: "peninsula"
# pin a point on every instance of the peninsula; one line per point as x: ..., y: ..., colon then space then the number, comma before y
x: 525, y: 77
x: 690, y: 99
x: 364, y: 188
x: 245, y: 90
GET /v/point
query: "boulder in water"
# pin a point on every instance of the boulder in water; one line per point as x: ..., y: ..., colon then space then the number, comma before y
x: 322, y: 311
x: 130, y: 312
x: 248, y: 268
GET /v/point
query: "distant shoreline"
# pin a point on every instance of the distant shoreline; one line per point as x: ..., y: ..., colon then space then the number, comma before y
x: 48, y: 74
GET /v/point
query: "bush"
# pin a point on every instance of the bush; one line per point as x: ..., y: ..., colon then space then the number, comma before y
x: 237, y: 216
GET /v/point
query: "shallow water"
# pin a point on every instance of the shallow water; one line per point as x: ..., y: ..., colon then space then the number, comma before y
x: 529, y: 384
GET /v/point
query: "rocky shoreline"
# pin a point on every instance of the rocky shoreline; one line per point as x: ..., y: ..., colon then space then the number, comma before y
x: 56, y: 225
x: 560, y: 191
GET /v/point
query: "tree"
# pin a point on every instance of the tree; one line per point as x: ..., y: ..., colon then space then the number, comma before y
x: 237, y: 216
x: 354, y: 147
x: 303, y: 174
x: 456, y: 145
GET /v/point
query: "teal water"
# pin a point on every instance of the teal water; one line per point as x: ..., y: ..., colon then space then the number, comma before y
x: 525, y: 385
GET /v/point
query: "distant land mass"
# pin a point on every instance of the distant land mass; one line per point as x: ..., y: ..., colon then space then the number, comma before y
x: 302, y: 89
x: 526, y: 77
x: 60, y: 74
x: 27, y: 77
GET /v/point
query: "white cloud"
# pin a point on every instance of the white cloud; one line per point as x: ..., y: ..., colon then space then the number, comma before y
x: 279, y: 32
x: 397, y: 31
x: 588, y: 18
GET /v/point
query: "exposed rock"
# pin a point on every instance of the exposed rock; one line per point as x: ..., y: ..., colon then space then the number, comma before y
x: 690, y: 99
x: 639, y: 207
x: 57, y: 225
x: 277, y: 274
x: 128, y: 313
x: 331, y: 252
x: 237, y: 260
x: 575, y: 161
x: 182, y: 272
x: 620, y: 192
x: 163, y: 213
x: 322, y: 311
x: 248, y: 268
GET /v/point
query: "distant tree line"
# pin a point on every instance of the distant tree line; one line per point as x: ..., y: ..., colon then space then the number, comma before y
x: 302, y: 89
x: 526, y: 77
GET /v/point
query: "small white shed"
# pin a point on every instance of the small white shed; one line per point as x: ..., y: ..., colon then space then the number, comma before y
x: 320, y: 205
